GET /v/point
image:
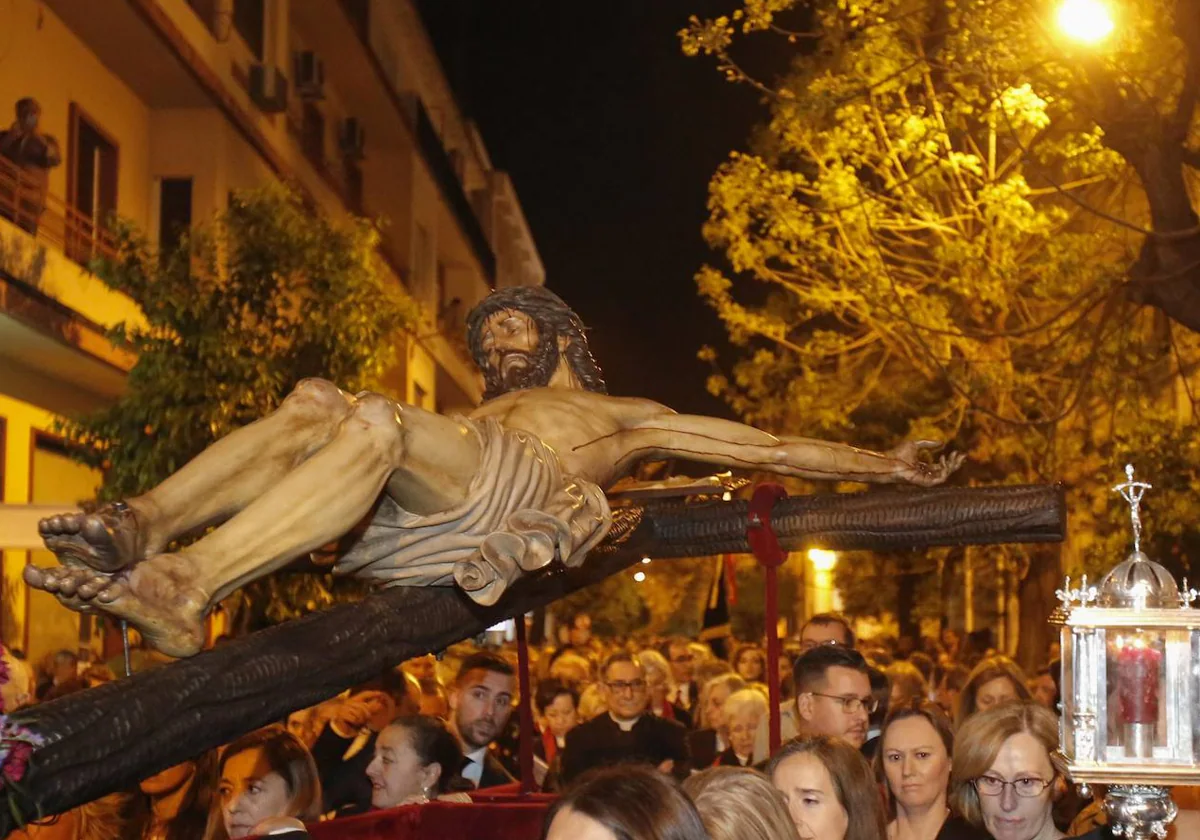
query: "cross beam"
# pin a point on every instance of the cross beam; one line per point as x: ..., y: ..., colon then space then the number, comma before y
x: 110, y: 737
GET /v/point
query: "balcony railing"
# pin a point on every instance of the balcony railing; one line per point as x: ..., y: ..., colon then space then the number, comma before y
x: 49, y: 219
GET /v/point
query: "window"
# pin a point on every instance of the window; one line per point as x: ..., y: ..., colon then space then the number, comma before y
x: 174, y: 212
x: 312, y: 134
x: 249, y: 19
x: 91, y: 186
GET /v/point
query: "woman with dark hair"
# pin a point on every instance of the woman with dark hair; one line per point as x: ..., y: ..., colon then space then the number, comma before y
x: 557, y: 707
x: 415, y: 759
x: 179, y: 800
x: 913, y: 766
x: 829, y: 788
x: 995, y: 681
x: 624, y: 803
x: 267, y: 784
x: 750, y: 663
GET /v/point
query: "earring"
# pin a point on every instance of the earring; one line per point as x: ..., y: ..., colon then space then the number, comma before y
x: 427, y: 792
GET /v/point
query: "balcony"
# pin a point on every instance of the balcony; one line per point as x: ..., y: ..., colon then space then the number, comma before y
x: 49, y: 219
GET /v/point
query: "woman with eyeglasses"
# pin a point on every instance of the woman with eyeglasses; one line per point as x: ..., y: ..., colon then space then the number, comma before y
x: 913, y: 766
x: 1006, y: 775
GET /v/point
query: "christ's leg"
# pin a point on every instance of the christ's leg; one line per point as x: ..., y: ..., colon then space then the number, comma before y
x: 213, y: 486
x: 166, y: 596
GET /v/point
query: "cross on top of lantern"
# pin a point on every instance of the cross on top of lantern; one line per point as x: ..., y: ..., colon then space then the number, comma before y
x: 1131, y: 670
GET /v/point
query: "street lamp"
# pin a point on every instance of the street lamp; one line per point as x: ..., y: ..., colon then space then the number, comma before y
x: 639, y: 576
x: 822, y: 560
x: 1086, y: 21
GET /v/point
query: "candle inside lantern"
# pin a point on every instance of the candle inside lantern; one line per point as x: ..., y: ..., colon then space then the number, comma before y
x: 1138, y: 667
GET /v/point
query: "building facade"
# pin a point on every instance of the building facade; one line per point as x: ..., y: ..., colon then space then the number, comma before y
x: 161, y: 108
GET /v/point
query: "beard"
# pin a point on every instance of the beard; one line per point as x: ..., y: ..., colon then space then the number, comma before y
x: 519, y: 371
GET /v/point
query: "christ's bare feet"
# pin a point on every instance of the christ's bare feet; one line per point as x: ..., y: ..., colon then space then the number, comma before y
x: 157, y: 596
x: 106, y: 540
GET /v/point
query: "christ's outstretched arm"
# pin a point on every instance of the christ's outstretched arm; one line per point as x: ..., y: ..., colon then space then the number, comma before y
x: 726, y: 443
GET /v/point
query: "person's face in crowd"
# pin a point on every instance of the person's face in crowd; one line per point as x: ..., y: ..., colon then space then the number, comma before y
x: 395, y: 771
x: 65, y: 668
x: 824, y: 712
x: 1042, y: 689
x: 481, y: 702
x: 569, y: 824
x: 995, y: 692
x: 811, y: 799
x: 625, y: 690
x: 822, y: 634
x: 786, y: 668
x: 434, y: 705
x: 743, y: 726
x: 714, y: 712
x: 681, y: 663
x: 423, y: 667
x: 581, y: 630
x: 750, y: 666
x: 250, y: 792
x: 916, y: 763
x: 1007, y: 815
x: 950, y: 639
x: 946, y: 697
x: 169, y: 780
x: 299, y: 723
x: 561, y: 715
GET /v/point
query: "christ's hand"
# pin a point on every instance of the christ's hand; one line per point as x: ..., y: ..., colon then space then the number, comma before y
x: 911, y: 469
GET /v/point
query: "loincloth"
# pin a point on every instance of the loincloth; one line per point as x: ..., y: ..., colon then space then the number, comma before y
x: 521, y: 512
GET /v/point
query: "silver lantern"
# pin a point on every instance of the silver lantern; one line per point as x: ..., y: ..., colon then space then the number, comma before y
x: 1131, y: 685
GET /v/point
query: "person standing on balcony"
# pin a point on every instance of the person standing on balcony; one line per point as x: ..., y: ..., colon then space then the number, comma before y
x: 34, y: 154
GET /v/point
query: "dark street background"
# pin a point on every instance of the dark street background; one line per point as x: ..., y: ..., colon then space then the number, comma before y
x: 610, y: 135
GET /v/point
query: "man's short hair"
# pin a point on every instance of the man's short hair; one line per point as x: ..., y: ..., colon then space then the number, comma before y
x: 484, y: 661
x: 620, y: 656
x: 811, y: 667
x: 833, y: 618
x: 674, y: 641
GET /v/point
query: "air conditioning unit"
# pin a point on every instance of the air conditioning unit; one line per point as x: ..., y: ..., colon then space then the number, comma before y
x: 352, y: 138
x: 309, y: 75
x: 268, y: 88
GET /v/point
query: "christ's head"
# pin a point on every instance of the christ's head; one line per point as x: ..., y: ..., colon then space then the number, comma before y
x: 526, y: 337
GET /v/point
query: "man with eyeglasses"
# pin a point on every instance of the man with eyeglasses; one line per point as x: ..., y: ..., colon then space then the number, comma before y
x: 679, y: 655
x: 627, y: 733
x: 833, y: 697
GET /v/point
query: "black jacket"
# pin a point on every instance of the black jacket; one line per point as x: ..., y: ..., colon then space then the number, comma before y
x: 344, y: 783
x: 729, y: 759
x: 702, y: 744
x: 493, y: 772
x: 601, y: 742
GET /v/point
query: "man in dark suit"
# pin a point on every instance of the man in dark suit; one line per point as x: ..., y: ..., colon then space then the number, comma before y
x: 628, y: 733
x: 687, y: 693
x: 480, y: 704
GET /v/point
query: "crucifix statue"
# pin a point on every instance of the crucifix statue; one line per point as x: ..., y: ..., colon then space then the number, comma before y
x: 475, y: 500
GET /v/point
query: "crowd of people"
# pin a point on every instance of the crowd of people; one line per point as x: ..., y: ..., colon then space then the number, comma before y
x: 911, y: 739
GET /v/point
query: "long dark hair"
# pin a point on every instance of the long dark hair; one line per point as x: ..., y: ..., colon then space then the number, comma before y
x: 853, y: 781
x: 634, y: 803
x: 553, y: 319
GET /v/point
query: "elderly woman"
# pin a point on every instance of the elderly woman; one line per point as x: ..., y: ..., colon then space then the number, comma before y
x: 743, y: 711
x: 829, y: 789
x: 913, y: 765
x: 662, y: 687
x: 995, y: 681
x: 711, y: 737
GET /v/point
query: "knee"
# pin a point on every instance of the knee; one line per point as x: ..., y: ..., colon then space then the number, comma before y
x: 317, y: 399
x: 379, y: 417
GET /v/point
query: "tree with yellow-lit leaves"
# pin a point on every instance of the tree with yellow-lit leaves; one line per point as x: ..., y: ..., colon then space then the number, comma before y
x: 956, y: 224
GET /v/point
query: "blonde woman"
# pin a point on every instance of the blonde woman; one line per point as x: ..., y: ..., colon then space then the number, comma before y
x: 1006, y: 774
x: 736, y: 803
x: 661, y: 686
x: 743, y: 711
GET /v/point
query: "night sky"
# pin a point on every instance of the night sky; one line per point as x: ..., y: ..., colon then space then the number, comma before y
x: 610, y: 136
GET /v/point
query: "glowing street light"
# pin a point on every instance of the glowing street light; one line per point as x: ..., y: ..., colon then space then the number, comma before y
x: 1086, y: 21
x: 646, y: 560
x: 822, y: 560
x: 639, y: 576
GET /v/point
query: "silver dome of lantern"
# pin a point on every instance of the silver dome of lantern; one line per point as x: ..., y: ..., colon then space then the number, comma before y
x: 1139, y: 583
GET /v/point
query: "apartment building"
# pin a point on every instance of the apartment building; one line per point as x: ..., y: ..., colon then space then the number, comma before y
x: 160, y: 108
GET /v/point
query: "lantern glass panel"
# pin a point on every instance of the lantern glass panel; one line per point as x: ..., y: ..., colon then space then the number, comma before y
x: 1136, y: 693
